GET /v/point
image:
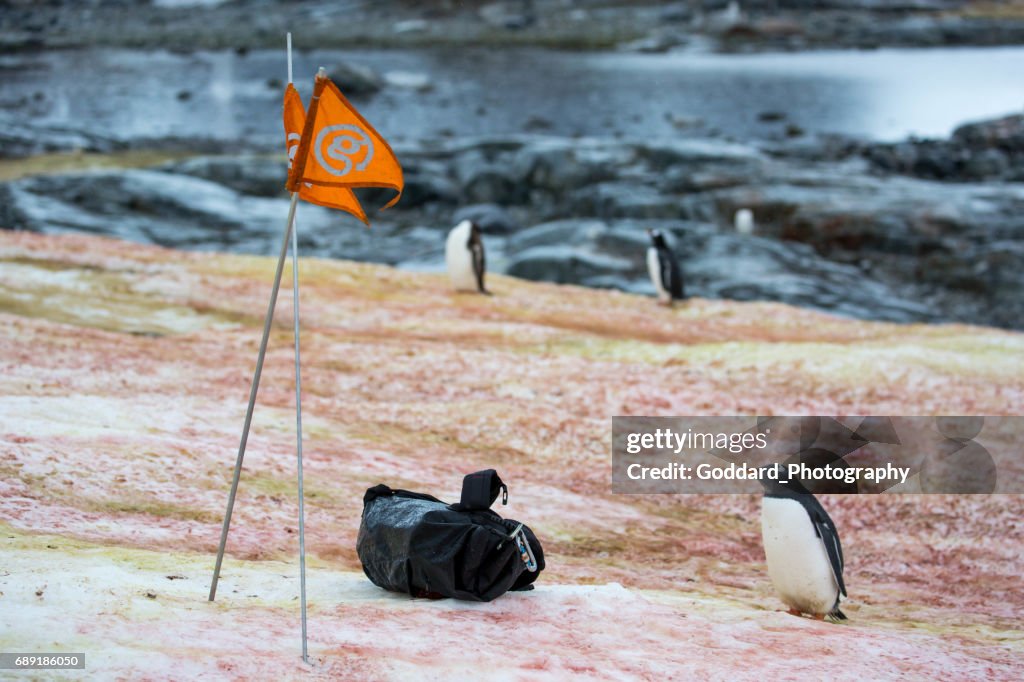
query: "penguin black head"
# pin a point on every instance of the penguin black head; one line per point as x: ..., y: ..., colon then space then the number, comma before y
x: 657, y: 239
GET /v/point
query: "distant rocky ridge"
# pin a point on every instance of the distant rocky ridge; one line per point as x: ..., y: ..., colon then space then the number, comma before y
x: 585, y: 24
x: 990, y: 150
x: 840, y: 225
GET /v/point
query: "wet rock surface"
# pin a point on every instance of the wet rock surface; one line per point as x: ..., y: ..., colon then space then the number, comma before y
x: 833, y: 230
x: 634, y: 26
x: 989, y: 150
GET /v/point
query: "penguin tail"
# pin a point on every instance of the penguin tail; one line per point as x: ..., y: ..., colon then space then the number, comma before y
x: 836, y: 615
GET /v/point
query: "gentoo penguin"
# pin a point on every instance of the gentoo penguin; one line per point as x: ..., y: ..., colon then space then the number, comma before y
x: 801, y: 545
x: 464, y: 257
x: 743, y: 221
x: 664, y: 269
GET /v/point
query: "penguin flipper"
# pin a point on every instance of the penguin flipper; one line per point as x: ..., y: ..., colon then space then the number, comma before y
x: 479, y: 266
x: 826, y: 530
x: 671, y: 275
x: 665, y: 270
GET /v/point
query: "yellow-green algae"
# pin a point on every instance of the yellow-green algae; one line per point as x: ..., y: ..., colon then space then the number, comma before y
x: 88, y: 296
x: 527, y: 410
x: 196, y: 567
x: 64, y: 162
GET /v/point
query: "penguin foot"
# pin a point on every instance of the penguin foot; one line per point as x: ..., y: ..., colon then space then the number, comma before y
x: 818, y: 616
x: 794, y: 612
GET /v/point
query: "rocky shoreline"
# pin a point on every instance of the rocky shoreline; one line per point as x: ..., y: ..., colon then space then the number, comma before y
x: 860, y: 229
x: 582, y: 25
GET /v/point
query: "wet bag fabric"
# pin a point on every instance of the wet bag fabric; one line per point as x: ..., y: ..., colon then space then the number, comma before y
x: 414, y: 543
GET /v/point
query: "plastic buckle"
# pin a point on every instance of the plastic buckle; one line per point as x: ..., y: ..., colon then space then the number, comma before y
x: 523, y: 545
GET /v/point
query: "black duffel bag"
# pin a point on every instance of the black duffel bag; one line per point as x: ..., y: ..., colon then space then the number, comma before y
x: 415, y: 543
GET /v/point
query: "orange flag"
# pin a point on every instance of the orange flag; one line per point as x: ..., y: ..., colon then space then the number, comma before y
x: 337, y: 149
x: 333, y: 197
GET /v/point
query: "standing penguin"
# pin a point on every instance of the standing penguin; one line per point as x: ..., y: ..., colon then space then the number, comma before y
x: 664, y: 269
x: 801, y: 545
x: 464, y: 257
x: 743, y: 221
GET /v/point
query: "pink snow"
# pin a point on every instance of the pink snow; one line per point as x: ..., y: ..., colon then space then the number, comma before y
x: 124, y: 372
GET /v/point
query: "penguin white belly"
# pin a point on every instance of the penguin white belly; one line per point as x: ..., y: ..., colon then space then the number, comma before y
x: 654, y: 269
x: 797, y: 562
x: 459, y: 259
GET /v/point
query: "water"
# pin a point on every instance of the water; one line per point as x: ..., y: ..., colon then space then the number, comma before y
x: 883, y: 94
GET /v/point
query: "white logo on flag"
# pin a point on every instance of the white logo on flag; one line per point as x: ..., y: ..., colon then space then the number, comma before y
x: 344, y: 143
x: 292, y: 148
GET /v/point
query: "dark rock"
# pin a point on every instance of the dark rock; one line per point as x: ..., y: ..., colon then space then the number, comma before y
x: 837, y: 229
x: 563, y: 264
x: 145, y: 206
x: 261, y: 176
x: 988, y: 163
x: 666, y: 153
x: 676, y: 12
x: 426, y: 185
x: 19, y: 140
x: 512, y: 16
x: 623, y: 200
x: 557, y: 233
x: 716, y: 264
x: 491, y: 218
x: 987, y: 150
x: 679, y: 179
x: 356, y: 79
x: 560, y: 166
x: 535, y: 123
x: 184, y: 212
x: 752, y: 268
x: 1005, y: 133
x: 484, y: 180
x: 427, y: 188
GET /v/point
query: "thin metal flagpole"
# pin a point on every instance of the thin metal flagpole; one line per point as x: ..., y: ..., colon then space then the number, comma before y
x: 298, y: 434
x: 291, y: 234
x: 298, y: 404
x: 252, y: 394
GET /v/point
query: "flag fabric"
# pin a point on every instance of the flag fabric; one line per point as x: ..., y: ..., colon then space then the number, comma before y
x: 340, y: 198
x: 332, y: 148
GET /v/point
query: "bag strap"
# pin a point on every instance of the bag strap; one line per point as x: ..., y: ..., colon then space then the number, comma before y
x: 480, y: 490
x: 381, y: 490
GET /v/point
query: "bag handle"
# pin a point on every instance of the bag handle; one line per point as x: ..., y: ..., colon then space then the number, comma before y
x: 480, y: 490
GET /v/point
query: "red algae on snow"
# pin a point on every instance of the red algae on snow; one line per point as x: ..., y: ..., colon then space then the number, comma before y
x: 125, y: 370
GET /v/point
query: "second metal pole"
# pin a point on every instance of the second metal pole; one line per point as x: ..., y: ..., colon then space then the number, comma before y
x: 298, y: 431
